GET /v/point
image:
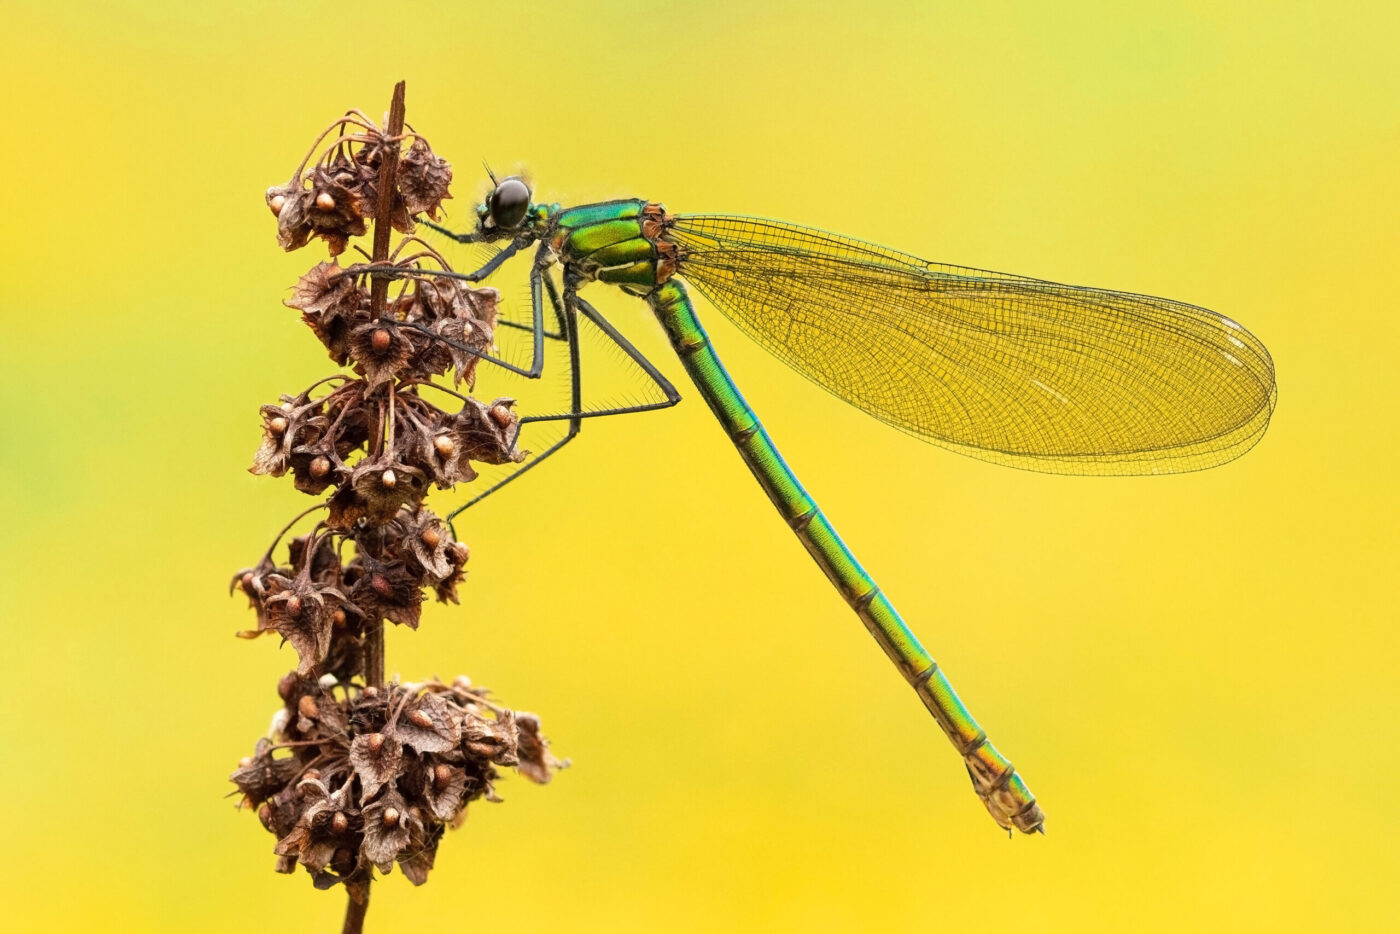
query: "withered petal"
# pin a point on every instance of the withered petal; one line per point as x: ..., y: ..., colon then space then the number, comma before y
x: 376, y: 769
x: 386, y: 834
x: 428, y: 724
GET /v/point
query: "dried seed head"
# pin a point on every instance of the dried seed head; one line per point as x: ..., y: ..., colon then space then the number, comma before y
x: 307, y: 708
x: 381, y: 585
x: 293, y: 605
x: 407, y: 781
x: 320, y: 466
x: 380, y: 340
x: 245, y: 762
x: 276, y: 203
x: 460, y: 551
x: 371, y: 691
x: 444, y: 445
x: 388, y: 479
x: 325, y: 202
x: 430, y: 537
x: 501, y: 415
x: 338, y: 618
x: 277, y: 425
x: 287, y: 685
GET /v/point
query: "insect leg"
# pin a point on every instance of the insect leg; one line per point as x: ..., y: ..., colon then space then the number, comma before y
x: 539, y: 278
x: 567, y: 308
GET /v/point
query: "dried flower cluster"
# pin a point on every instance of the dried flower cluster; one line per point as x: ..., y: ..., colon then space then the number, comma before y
x: 375, y: 777
x: 333, y: 199
x: 356, y: 774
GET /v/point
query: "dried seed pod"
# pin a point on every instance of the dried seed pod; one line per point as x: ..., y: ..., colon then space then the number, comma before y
x: 423, y: 179
x: 344, y: 861
x: 442, y: 775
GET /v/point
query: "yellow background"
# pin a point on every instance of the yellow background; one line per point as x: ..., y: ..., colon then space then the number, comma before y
x: 1196, y: 674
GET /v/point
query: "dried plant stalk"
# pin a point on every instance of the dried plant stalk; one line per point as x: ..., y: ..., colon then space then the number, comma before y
x: 356, y: 775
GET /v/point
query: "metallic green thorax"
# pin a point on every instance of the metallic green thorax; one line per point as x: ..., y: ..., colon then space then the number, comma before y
x: 623, y: 242
x: 609, y: 242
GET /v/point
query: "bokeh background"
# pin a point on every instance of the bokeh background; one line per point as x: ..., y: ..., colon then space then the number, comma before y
x: 1196, y: 674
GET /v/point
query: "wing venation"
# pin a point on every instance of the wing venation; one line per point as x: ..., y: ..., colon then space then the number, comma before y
x: 1004, y: 368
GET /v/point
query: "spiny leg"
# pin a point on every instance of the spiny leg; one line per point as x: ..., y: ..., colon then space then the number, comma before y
x: 536, y: 327
x: 561, y: 332
x: 572, y: 304
x: 569, y: 328
x: 493, y: 263
x: 469, y: 236
x: 567, y: 308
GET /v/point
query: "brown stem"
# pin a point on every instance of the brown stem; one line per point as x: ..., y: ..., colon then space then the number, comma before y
x: 356, y: 907
x: 374, y: 652
x: 388, y: 175
x: 378, y: 293
x: 358, y: 891
x: 389, y: 428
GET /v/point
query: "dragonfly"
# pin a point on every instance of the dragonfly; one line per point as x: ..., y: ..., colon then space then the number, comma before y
x: 1013, y: 370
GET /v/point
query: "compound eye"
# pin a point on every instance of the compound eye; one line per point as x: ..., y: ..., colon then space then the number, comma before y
x: 509, y: 202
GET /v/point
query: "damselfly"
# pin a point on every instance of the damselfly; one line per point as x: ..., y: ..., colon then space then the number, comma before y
x: 1017, y: 371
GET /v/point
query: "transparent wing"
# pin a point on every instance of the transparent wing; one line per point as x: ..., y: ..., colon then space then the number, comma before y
x: 1017, y: 371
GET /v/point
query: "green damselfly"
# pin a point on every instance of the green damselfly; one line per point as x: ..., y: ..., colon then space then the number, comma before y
x: 1017, y: 371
